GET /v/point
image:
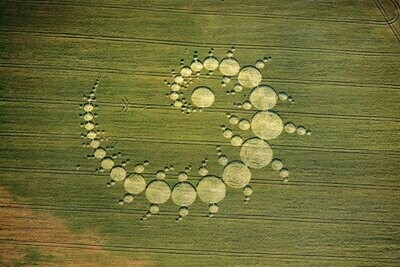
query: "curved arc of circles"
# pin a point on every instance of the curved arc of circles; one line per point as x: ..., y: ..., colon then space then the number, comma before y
x: 118, y: 172
x: 211, y: 189
x: 248, y: 76
x: 188, y: 78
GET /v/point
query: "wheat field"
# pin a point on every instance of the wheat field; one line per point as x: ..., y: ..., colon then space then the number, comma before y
x: 338, y: 60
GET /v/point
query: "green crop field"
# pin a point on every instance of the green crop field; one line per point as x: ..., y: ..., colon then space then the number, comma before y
x: 336, y: 202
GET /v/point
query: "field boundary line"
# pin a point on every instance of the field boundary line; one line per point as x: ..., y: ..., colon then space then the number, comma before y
x: 208, y: 110
x: 200, y: 252
x: 207, y: 143
x: 164, y: 9
x: 165, y: 75
x: 171, y: 213
x: 396, y: 10
x: 126, y: 39
x: 259, y: 181
x: 386, y: 17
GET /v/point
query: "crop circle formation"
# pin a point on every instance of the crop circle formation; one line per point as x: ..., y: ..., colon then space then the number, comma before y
x: 251, y: 136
